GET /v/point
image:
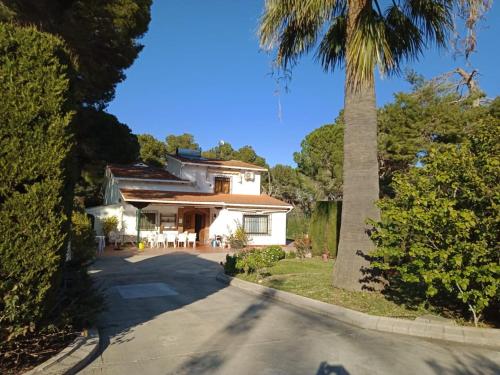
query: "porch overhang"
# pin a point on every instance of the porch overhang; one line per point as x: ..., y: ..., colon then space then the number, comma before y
x: 235, y: 201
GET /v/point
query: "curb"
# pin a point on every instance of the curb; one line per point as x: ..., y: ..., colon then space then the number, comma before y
x: 464, y: 335
x: 73, y: 358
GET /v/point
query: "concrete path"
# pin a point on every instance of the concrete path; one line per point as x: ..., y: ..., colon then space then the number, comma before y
x: 185, y: 322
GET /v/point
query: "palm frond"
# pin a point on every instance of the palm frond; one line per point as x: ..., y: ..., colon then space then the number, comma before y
x: 293, y: 26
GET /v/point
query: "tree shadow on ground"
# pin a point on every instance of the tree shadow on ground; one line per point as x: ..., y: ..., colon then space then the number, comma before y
x: 184, y: 272
x: 193, y: 277
x: 466, y: 365
x: 327, y: 369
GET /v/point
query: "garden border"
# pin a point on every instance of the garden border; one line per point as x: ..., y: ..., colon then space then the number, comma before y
x: 464, y: 335
x: 73, y: 358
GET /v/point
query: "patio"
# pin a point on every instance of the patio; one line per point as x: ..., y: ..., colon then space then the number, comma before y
x: 128, y: 251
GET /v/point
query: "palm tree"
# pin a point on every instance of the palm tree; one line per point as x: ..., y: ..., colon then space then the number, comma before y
x: 358, y: 36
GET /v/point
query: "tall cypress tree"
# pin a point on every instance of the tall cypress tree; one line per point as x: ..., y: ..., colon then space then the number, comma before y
x: 35, y: 191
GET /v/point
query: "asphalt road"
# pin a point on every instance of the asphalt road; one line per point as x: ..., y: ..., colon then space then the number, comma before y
x: 168, y: 315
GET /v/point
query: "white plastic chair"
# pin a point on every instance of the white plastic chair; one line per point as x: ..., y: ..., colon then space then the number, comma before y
x: 182, y: 238
x: 171, y: 238
x: 191, y: 237
x: 160, y: 239
x: 152, y: 239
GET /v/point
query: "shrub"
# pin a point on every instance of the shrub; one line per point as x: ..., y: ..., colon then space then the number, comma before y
x: 35, y: 191
x: 239, y: 238
x: 83, y: 245
x: 302, y: 245
x: 324, y: 229
x: 438, y: 239
x: 272, y: 254
x: 230, y: 264
x: 109, y: 224
x: 253, y: 260
x: 296, y: 222
x: 291, y: 255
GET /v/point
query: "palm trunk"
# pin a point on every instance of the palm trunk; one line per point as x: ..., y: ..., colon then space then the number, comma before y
x: 361, y: 181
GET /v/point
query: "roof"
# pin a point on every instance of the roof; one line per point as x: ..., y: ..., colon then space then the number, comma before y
x: 160, y: 196
x: 142, y: 172
x: 237, y: 164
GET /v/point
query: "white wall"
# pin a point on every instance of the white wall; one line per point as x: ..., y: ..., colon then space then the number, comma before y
x: 227, y: 221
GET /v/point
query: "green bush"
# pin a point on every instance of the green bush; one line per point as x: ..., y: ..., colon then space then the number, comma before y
x: 438, y: 238
x: 239, y: 238
x: 272, y: 254
x: 35, y: 192
x: 291, y: 255
x: 230, y: 264
x: 109, y: 224
x: 253, y: 260
x: 83, y: 245
x: 324, y: 228
x: 296, y: 223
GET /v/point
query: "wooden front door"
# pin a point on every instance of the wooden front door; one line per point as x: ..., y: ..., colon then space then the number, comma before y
x: 197, y: 221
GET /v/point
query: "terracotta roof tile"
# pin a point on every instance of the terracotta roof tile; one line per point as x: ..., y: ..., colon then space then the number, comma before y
x: 217, y: 199
x: 219, y: 163
x: 147, y: 173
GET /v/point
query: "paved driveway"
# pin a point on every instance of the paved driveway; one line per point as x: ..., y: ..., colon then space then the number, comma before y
x: 185, y: 322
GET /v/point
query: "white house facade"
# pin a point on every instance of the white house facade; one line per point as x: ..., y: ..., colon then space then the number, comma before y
x: 195, y: 195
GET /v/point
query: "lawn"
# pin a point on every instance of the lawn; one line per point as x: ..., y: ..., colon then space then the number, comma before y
x: 312, y: 278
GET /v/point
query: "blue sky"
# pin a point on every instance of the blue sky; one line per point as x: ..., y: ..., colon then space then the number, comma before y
x: 201, y: 72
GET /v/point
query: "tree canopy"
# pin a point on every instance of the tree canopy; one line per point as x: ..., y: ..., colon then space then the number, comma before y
x: 102, y: 36
x: 185, y: 140
x: 152, y: 151
x: 320, y: 158
x: 439, y: 234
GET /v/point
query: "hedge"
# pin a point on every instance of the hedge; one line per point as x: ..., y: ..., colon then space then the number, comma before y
x: 324, y: 228
x: 35, y: 193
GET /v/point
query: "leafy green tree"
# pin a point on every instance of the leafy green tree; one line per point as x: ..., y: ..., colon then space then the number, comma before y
x: 152, y: 151
x: 439, y: 235
x: 359, y: 36
x: 289, y: 185
x: 35, y: 144
x: 223, y: 151
x: 101, y: 139
x: 185, y: 140
x: 320, y: 158
x: 431, y: 113
x: 248, y: 155
x: 101, y: 34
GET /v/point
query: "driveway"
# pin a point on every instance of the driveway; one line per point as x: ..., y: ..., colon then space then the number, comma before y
x: 167, y: 314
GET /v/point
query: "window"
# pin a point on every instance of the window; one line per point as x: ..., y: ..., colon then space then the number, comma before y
x: 256, y: 224
x: 148, y: 221
x: 222, y: 185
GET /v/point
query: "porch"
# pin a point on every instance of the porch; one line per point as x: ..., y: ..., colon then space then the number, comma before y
x: 130, y: 251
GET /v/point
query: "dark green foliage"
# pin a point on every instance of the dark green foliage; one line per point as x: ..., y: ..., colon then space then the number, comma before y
x: 83, y: 245
x: 296, y: 223
x: 253, y: 260
x: 101, y: 34
x: 152, y: 151
x: 35, y: 145
x: 324, y: 228
x: 226, y: 152
x: 321, y: 158
x: 288, y: 184
x: 438, y: 240
x: 100, y: 139
x: 185, y: 140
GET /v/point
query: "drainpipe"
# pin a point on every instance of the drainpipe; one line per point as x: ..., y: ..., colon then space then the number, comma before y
x: 138, y: 213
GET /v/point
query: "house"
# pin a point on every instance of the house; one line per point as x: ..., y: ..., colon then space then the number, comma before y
x: 195, y: 194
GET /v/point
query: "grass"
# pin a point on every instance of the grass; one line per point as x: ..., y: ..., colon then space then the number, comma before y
x: 312, y: 278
